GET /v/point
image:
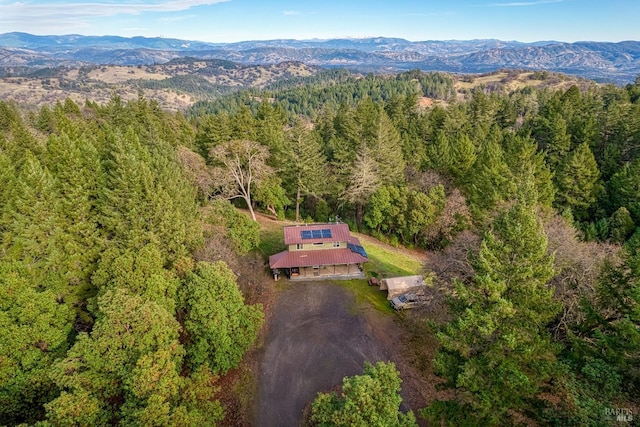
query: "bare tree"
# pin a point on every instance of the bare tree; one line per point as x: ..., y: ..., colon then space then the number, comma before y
x: 238, y: 167
x: 577, y: 265
x: 196, y: 170
x: 363, y: 181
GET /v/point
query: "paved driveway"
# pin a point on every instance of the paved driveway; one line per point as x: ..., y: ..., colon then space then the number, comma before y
x: 312, y: 343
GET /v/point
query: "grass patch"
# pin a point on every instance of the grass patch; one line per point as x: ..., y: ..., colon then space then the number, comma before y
x: 366, y: 295
x: 271, y: 238
x: 387, y: 262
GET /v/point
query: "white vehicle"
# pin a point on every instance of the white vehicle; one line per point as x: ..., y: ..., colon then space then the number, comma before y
x: 406, y: 301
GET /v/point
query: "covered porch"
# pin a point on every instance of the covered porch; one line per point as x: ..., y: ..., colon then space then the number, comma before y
x: 342, y: 271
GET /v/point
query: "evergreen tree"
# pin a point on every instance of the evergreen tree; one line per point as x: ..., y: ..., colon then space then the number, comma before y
x: 490, y: 181
x: 34, y: 327
x: 219, y: 327
x: 553, y: 138
x: 305, y: 169
x: 621, y: 225
x: 127, y: 371
x: 76, y: 166
x: 147, y: 199
x: 32, y: 228
x: 387, y: 150
x: 624, y: 189
x: 367, y: 400
x: 577, y: 181
x: 141, y: 272
x: 496, y: 353
x: 526, y: 162
x: 439, y: 153
x: 463, y: 156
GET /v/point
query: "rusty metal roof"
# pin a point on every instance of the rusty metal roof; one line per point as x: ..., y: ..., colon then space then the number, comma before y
x: 293, y: 233
x: 288, y: 259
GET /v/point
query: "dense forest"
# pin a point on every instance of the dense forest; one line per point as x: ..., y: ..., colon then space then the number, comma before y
x: 107, y: 318
x: 528, y: 201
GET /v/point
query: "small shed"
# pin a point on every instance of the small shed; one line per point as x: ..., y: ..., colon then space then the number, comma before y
x: 397, y: 286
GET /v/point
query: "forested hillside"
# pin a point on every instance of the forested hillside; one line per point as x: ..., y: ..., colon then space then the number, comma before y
x: 106, y: 317
x: 527, y: 200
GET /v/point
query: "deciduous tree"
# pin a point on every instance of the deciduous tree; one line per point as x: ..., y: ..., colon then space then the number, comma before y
x: 238, y: 167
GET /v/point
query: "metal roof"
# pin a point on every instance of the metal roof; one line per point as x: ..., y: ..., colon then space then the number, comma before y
x: 293, y: 233
x: 288, y: 259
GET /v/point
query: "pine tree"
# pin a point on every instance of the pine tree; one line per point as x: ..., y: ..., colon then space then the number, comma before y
x: 306, y: 168
x: 577, y: 181
x: 219, y: 327
x: 34, y: 327
x: 463, y: 156
x: 496, y: 353
x: 553, y: 138
x: 490, y: 180
x: 367, y: 400
x: 76, y: 166
x: 147, y: 199
x: 526, y: 161
x: 127, y: 370
x: 624, y: 189
x: 387, y: 150
x: 32, y: 231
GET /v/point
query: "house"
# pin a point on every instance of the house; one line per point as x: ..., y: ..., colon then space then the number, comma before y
x: 396, y: 286
x: 319, y: 251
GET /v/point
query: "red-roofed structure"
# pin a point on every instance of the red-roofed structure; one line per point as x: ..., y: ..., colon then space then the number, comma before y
x: 319, y: 251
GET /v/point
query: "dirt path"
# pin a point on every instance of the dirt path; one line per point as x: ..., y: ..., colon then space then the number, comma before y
x: 313, y: 342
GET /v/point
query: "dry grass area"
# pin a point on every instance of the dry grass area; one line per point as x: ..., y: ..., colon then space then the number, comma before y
x: 507, y: 81
x: 113, y: 74
x: 99, y: 83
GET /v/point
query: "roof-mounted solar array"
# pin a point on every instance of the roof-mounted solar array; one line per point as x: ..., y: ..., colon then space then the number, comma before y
x: 316, y: 234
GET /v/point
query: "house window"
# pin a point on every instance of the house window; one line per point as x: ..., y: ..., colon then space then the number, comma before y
x: 318, y: 244
x: 299, y: 246
x: 336, y: 244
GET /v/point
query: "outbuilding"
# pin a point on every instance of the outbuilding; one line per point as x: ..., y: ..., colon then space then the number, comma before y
x: 396, y: 286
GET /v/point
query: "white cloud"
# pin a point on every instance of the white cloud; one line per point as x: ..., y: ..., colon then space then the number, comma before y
x: 33, y: 10
x: 525, y: 3
x: 291, y: 12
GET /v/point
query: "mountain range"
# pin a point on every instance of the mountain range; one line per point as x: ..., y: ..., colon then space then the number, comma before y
x: 601, y: 61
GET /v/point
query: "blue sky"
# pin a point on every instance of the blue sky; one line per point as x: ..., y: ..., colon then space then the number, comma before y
x: 236, y: 20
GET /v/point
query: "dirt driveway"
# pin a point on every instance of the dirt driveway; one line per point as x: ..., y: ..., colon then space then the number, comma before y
x: 313, y: 341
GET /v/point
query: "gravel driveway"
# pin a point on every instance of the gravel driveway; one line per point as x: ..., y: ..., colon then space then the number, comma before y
x: 313, y: 342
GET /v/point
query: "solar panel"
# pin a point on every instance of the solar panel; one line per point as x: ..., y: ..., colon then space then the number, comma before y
x: 357, y: 249
x: 325, y: 233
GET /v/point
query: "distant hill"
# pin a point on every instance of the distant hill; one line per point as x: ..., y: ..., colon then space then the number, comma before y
x: 605, y: 62
x: 175, y: 85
